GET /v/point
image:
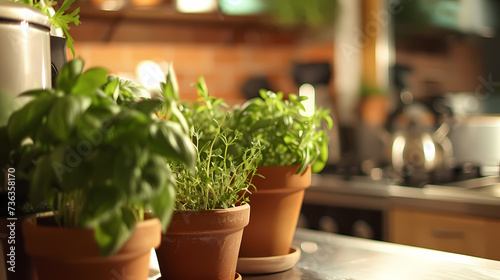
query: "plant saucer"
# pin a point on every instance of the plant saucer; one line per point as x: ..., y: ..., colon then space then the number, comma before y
x: 273, y: 264
x: 237, y: 276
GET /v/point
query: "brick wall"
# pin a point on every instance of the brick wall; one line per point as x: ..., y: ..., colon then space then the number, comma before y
x: 225, y: 68
x: 226, y: 51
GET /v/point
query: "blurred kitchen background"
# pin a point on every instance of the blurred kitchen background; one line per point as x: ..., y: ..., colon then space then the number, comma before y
x: 386, y: 68
x: 229, y: 42
x: 413, y: 87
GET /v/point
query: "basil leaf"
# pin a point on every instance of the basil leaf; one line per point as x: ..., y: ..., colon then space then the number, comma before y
x: 162, y: 203
x: 69, y: 75
x: 37, y: 93
x: 90, y: 81
x: 113, y: 233
x: 65, y: 113
x: 148, y: 106
x: 170, y: 87
x: 170, y: 141
x: 42, y: 183
x: 100, y: 206
x: 23, y: 122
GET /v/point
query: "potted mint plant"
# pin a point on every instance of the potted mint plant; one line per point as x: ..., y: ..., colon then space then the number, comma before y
x: 95, y: 153
x: 294, y: 145
x: 203, y: 239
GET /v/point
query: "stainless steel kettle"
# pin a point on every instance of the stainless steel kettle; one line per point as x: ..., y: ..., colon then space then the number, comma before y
x: 417, y: 147
x: 25, y: 61
x: 416, y: 152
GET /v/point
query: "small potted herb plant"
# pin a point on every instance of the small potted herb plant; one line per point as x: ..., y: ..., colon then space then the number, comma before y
x: 203, y: 239
x: 294, y: 145
x: 96, y: 154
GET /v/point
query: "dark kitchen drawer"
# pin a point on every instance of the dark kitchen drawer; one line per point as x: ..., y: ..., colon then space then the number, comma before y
x: 364, y: 223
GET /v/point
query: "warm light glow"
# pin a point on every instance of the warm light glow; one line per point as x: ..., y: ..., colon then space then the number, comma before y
x: 196, y: 6
x: 397, y: 152
x: 429, y: 151
x: 308, y: 91
x: 110, y: 5
x: 150, y: 75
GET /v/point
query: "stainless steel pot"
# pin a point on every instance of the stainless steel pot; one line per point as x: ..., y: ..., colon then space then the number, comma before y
x: 24, y: 54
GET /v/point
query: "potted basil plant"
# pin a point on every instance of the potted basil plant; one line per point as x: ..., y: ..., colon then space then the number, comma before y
x: 294, y: 145
x: 97, y: 157
x: 203, y: 239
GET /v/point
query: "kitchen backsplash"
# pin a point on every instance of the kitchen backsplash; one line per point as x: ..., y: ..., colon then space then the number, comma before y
x: 225, y: 67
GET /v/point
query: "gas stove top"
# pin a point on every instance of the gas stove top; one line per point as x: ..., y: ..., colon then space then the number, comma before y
x: 453, y: 177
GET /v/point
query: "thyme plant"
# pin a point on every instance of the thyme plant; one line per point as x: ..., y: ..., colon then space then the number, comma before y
x: 220, y: 180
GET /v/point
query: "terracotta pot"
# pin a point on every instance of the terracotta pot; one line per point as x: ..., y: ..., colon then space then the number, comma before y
x: 203, y: 244
x: 71, y: 253
x: 275, y: 210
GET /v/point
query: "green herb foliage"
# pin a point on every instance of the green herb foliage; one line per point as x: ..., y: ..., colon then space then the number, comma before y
x: 59, y: 19
x: 98, y: 164
x: 287, y: 137
x: 124, y: 91
x: 220, y: 179
x: 315, y: 13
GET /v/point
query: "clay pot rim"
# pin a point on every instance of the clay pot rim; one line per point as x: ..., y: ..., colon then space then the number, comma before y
x: 286, y: 167
x: 31, y: 223
x: 215, y: 221
x: 214, y: 211
x: 49, y: 233
x: 281, y: 179
x: 283, y: 168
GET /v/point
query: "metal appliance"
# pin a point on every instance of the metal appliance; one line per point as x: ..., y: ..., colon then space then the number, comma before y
x: 25, y: 58
x: 476, y: 140
x: 24, y: 54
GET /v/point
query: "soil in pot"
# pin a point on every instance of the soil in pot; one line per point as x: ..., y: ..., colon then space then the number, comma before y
x: 71, y: 253
x: 276, y: 208
x: 203, y: 244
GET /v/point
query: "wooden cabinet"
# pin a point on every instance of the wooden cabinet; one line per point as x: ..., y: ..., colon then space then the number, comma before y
x: 164, y: 24
x: 461, y: 234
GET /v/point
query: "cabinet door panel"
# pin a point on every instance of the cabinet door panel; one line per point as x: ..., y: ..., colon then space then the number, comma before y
x: 457, y: 234
x: 493, y: 240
